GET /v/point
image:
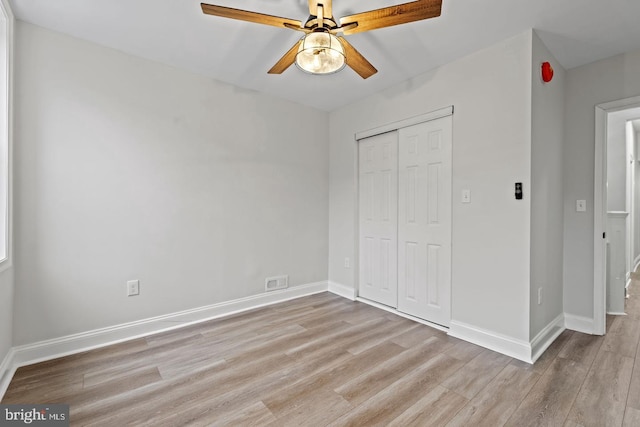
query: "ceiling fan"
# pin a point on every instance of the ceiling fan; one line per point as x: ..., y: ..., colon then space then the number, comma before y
x: 322, y: 50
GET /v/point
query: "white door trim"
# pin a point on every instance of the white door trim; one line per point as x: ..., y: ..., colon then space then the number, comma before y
x: 599, y: 208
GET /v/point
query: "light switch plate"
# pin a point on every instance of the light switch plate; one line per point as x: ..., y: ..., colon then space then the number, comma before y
x: 581, y: 205
x: 466, y: 196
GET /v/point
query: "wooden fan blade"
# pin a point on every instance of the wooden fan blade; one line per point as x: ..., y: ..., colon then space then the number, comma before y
x: 327, y: 11
x: 393, y: 15
x: 356, y: 61
x: 245, y: 15
x: 286, y: 61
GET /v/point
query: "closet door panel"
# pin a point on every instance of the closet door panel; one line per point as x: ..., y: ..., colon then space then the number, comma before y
x: 378, y: 207
x: 424, y: 220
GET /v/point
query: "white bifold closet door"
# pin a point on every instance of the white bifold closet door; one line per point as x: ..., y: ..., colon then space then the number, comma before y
x: 378, y: 194
x: 424, y: 221
x: 405, y: 219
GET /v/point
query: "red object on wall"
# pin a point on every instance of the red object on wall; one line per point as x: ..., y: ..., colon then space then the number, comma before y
x: 547, y: 72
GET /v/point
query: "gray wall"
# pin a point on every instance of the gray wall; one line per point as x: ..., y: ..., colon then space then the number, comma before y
x: 491, y: 152
x: 616, y: 163
x: 547, y: 121
x: 587, y: 86
x: 129, y: 169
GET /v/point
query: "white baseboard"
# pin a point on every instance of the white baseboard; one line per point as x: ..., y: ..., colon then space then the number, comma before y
x: 579, y: 323
x: 7, y: 369
x: 617, y: 313
x: 509, y: 346
x: 63, y: 346
x: 547, y: 336
x: 342, y: 290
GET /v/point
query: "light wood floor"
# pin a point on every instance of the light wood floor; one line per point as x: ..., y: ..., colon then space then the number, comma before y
x: 323, y: 360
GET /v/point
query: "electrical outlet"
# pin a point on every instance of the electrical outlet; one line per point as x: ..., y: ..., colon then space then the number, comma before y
x: 347, y: 263
x: 539, y: 296
x: 133, y: 288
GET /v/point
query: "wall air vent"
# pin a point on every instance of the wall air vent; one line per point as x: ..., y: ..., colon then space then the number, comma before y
x: 277, y: 282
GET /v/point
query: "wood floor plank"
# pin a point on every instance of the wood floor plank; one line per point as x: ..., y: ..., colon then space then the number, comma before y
x: 464, y: 351
x: 498, y: 400
x: 632, y: 304
x: 330, y: 378
x: 353, y: 314
x: 346, y: 334
x: 435, y: 409
x: 94, y: 380
x: 547, y: 358
x: 366, y: 313
x: 603, y: 396
x: 115, y: 386
x: 149, y: 356
x: 179, y: 367
x: 582, y: 348
x: 378, y: 377
x: 238, y: 387
x: 219, y: 325
x: 631, y: 418
x: 81, y: 362
x: 385, y: 333
x: 317, y: 409
x: 247, y: 342
x: 393, y: 400
x: 45, y: 391
x: 259, y: 348
x: 193, y: 401
x: 633, y: 399
x: 254, y: 415
x: 416, y: 336
x: 130, y: 409
x: 189, y: 397
x: 477, y: 373
x: 550, y: 400
x: 623, y: 337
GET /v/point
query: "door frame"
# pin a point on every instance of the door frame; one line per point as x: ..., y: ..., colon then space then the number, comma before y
x: 602, y: 112
x: 389, y: 127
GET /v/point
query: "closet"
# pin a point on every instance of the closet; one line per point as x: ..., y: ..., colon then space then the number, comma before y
x: 405, y: 217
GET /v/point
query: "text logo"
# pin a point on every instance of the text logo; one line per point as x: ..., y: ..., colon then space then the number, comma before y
x: 34, y: 415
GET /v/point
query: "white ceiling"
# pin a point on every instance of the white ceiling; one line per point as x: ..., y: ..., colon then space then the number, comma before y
x: 176, y: 32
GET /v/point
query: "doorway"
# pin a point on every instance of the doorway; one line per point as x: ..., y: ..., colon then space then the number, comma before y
x: 614, y: 214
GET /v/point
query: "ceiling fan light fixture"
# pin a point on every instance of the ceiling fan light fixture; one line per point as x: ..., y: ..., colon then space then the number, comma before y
x: 320, y: 53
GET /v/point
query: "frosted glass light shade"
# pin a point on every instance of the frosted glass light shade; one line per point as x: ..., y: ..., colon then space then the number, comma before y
x: 320, y: 53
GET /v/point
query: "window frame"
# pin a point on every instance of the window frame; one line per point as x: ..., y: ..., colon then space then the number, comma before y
x: 6, y: 112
